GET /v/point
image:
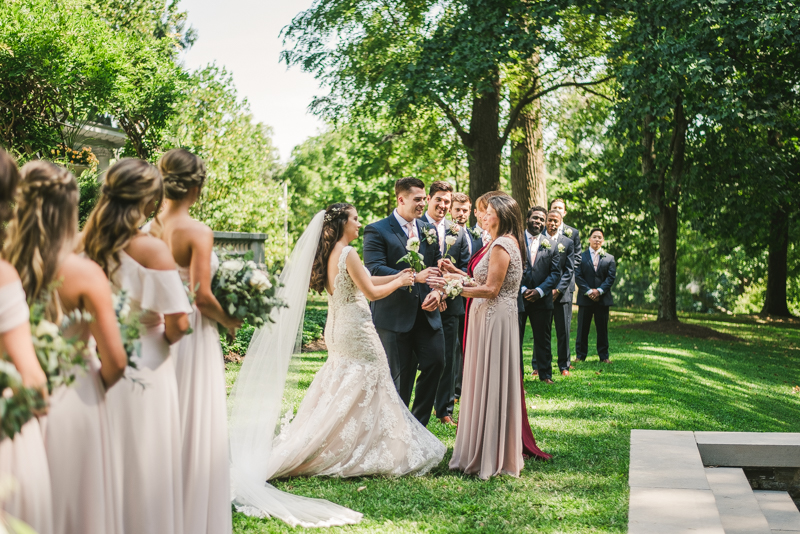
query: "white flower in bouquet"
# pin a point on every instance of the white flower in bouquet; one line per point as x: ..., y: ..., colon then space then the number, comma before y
x: 412, y: 244
x: 232, y: 265
x: 260, y: 281
x: 453, y: 288
x: 46, y: 328
x: 450, y: 240
x: 59, y: 357
x: 250, y: 264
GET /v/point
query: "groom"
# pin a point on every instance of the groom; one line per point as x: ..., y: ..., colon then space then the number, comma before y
x: 408, y: 322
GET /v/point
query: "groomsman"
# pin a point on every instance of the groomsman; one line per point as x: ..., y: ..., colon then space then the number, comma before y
x: 541, y: 276
x: 563, y: 290
x: 408, y: 322
x: 562, y: 308
x: 439, y: 200
x: 595, y: 279
x: 459, y: 211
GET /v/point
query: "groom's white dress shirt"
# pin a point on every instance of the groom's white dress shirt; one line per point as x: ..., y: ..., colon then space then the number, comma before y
x: 533, y: 244
x: 440, y: 229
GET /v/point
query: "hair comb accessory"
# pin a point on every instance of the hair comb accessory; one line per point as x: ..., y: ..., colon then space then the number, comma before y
x: 332, y: 214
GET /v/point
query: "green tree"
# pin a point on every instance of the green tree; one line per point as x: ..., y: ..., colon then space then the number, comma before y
x: 241, y: 193
x: 404, y: 57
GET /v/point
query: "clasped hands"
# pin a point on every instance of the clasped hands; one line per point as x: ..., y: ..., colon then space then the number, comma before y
x: 594, y: 294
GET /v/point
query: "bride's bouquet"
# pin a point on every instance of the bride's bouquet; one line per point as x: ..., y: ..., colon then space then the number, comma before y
x: 60, y: 358
x: 246, y: 292
x: 455, y: 285
x: 414, y: 259
x: 18, y: 404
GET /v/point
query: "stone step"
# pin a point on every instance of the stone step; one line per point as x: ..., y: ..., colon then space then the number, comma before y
x: 780, y: 511
x: 739, y: 510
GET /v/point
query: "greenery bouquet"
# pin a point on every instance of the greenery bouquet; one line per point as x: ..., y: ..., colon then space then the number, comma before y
x: 246, y: 292
x: 129, y: 326
x: 60, y: 358
x: 18, y: 404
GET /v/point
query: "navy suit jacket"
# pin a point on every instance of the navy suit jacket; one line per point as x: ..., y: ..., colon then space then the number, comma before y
x: 477, y: 243
x: 603, y: 279
x: 384, y: 245
x: 575, y: 236
x: 459, y: 253
x: 545, y: 274
x: 566, y: 267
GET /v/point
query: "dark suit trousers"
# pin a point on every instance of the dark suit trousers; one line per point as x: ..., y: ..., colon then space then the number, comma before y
x: 562, y: 317
x: 421, y: 348
x: 445, y: 393
x: 458, y: 367
x: 585, y: 314
x: 541, y: 320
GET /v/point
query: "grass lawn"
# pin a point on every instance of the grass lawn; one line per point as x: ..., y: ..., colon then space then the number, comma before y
x: 657, y: 381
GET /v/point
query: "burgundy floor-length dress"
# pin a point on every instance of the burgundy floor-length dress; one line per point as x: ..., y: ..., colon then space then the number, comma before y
x: 529, y: 448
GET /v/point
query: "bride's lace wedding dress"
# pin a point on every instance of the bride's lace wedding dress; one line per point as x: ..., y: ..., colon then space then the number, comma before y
x: 351, y: 421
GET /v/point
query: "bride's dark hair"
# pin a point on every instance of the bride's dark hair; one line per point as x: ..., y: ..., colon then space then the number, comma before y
x: 336, y: 217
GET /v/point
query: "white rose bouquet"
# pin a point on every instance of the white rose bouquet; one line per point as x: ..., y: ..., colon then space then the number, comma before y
x: 59, y: 357
x: 129, y: 326
x: 18, y: 404
x: 414, y: 259
x: 246, y: 292
x: 455, y: 285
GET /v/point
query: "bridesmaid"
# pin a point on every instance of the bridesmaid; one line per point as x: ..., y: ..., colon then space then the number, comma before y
x: 24, y: 457
x: 144, y: 410
x: 77, y: 439
x: 198, y: 360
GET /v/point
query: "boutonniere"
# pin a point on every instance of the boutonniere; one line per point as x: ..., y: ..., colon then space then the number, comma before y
x: 546, y: 244
x: 474, y: 232
x: 568, y: 232
x: 430, y: 235
x: 601, y: 253
x: 454, y: 228
x: 561, y: 248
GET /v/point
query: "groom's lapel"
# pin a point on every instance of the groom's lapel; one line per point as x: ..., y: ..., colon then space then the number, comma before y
x: 398, y: 230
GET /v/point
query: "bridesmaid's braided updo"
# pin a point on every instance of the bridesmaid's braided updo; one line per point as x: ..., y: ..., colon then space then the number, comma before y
x: 182, y: 171
x: 336, y: 217
x: 44, y: 227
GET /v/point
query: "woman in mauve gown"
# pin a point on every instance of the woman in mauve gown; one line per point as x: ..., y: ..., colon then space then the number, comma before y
x: 529, y: 447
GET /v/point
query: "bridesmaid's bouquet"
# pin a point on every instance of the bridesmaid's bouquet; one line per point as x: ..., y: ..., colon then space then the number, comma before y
x: 129, y: 326
x: 18, y: 404
x: 414, y: 259
x: 246, y: 292
x: 60, y: 358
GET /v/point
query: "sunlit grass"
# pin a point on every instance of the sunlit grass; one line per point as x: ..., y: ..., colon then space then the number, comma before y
x: 656, y: 381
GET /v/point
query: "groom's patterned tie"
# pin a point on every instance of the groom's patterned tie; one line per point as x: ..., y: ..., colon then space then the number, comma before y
x: 534, y: 250
x: 595, y: 260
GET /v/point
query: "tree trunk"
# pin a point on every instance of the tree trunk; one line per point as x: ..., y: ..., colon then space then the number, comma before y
x: 528, y: 184
x: 484, y: 149
x: 775, y: 301
x: 665, y: 193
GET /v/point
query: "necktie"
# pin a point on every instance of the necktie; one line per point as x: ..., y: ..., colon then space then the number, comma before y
x: 411, y: 232
x: 534, y: 247
x: 596, y: 260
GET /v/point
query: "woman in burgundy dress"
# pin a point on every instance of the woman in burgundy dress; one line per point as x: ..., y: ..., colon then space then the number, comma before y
x: 529, y: 448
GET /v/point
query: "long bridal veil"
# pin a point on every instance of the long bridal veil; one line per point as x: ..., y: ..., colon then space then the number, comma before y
x: 256, y: 403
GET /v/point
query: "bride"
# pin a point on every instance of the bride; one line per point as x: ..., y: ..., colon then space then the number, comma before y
x: 351, y: 421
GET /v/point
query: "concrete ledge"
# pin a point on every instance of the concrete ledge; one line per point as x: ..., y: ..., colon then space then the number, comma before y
x: 673, y: 511
x: 779, y: 509
x: 738, y: 508
x: 665, y: 459
x: 749, y: 449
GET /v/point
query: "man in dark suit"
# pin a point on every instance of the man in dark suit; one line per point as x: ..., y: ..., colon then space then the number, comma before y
x: 562, y: 308
x: 454, y: 248
x: 595, y: 279
x: 408, y: 322
x: 459, y: 211
x: 562, y: 291
x: 540, y: 278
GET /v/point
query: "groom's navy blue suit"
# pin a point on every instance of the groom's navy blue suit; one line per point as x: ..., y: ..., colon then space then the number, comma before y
x: 413, y: 338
